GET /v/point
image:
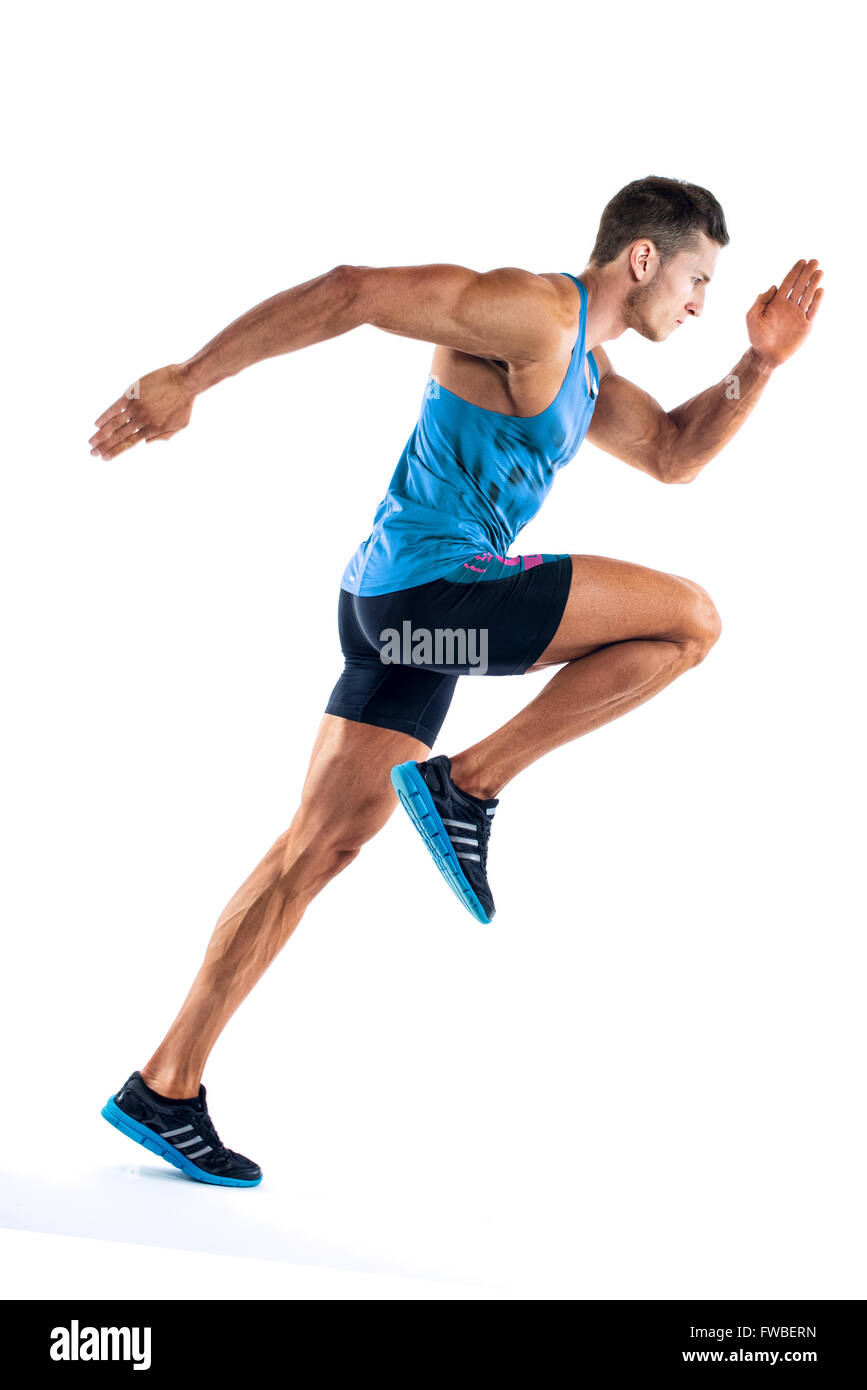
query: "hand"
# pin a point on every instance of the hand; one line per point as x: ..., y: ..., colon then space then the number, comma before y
x: 155, y: 407
x: 781, y: 319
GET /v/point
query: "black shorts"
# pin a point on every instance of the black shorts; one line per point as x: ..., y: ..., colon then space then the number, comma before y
x: 404, y: 651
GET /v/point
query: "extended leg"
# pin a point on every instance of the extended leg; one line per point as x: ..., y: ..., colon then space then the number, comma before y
x: 626, y: 632
x: 347, y: 797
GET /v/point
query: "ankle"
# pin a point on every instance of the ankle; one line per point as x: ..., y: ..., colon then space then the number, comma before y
x: 469, y: 777
x: 174, y: 1085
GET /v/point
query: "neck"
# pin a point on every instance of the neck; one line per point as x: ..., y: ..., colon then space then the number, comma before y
x: 605, y: 293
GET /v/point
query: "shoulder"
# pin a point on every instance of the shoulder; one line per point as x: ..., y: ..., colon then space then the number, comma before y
x: 569, y: 297
x: 564, y: 290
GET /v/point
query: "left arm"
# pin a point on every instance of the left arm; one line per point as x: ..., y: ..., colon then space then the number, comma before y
x: 674, y: 446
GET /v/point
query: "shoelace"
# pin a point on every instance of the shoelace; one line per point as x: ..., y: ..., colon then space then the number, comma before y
x: 205, y: 1127
x: 207, y: 1124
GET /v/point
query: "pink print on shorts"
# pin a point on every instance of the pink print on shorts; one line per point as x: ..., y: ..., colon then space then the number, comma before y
x: 528, y: 561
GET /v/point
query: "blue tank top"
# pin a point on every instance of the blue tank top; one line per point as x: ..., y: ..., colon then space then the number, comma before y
x: 470, y: 479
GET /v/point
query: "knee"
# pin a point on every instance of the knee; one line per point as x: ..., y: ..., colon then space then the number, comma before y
x: 354, y: 824
x: 322, y: 840
x: 705, y: 625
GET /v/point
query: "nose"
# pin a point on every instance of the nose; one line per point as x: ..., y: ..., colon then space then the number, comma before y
x: 695, y: 306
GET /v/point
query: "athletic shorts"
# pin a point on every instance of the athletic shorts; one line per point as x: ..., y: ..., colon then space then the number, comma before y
x: 403, y: 651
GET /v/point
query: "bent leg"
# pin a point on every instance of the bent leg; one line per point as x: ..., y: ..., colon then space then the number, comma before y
x: 346, y: 798
x: 626, y: 633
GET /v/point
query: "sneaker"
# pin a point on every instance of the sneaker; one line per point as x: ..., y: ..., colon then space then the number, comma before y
x: 454, y: 825
x: 178, y: 1130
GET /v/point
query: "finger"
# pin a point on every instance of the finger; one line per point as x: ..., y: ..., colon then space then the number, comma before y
x: 790, y: 279
x: 814, y: 304
x: 810, y: 289
x: 132, y: 415
x: 803, y: 279
x: 166, y: 434
x: 119, y: 407
x: 119, y: 448
x: 115, y: 437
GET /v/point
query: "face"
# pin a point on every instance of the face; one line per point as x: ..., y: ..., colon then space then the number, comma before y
x: 667, y: 295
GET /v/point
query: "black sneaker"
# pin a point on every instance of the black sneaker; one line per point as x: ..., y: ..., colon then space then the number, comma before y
x: 454, y: 825
x: 179, y: 1130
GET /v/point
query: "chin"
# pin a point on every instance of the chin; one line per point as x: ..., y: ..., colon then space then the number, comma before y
x: 654, y: 335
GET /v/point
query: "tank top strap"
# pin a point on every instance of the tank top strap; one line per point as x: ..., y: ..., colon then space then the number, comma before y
x: 580, y: 348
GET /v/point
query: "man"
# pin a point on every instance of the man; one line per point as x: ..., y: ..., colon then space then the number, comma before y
x: 518, y: 379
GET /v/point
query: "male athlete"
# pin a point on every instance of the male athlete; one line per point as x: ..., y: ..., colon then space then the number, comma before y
x: 518, y: 380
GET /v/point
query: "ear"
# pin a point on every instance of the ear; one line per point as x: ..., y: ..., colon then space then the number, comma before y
x: 641, y: 257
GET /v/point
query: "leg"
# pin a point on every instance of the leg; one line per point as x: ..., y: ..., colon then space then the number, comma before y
x: 347, y: 797
x: 626, y: 632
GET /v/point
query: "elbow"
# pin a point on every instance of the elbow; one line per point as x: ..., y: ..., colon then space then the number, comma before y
x: 665, y: 470
x: 350, y: 289
x: 670, y: 471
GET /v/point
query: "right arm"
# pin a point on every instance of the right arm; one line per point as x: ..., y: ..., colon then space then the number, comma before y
x: 508, y: 313
x: 310, y: 313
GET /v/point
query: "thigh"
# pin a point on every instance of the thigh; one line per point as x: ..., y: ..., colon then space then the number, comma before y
x: 348, y: 778
x: 614, y: 601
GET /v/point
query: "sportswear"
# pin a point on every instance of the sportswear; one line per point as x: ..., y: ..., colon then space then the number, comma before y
x: 180, y: 1131
x: 455, y: 827
x: 469, y: 479
x: 500, y: 624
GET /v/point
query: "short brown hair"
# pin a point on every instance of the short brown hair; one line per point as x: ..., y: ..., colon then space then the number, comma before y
x: 669, y: 212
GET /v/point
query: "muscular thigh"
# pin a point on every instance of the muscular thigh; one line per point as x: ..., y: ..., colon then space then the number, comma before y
x: 614, y: 601
x: 348, y: 782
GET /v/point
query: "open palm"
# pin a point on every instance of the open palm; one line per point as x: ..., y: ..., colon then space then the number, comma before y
x: 781, y: 319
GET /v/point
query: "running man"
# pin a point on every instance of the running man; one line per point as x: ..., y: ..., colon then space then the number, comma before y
x: 518, y: 379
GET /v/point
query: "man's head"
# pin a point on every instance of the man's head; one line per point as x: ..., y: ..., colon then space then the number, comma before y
x: 658, y: 241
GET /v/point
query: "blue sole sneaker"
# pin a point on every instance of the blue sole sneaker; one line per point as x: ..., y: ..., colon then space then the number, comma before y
x: 180, y: 1131
x: 455, y: 826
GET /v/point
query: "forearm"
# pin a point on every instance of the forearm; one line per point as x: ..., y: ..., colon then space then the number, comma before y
x: 705, y: 424
x: 309, y: 313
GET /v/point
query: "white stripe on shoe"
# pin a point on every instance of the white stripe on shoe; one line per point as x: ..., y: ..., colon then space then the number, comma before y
x: 460, y: 855
x: 460, y: 824
x: 168, y: 1133
x: 463, y: 840
x: 200, y: 1152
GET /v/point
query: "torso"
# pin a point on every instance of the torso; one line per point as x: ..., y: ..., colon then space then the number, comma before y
x: 482, y: 456
x: 513, y: 389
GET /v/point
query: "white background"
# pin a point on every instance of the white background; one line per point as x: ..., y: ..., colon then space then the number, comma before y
x: 645, y: 1079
